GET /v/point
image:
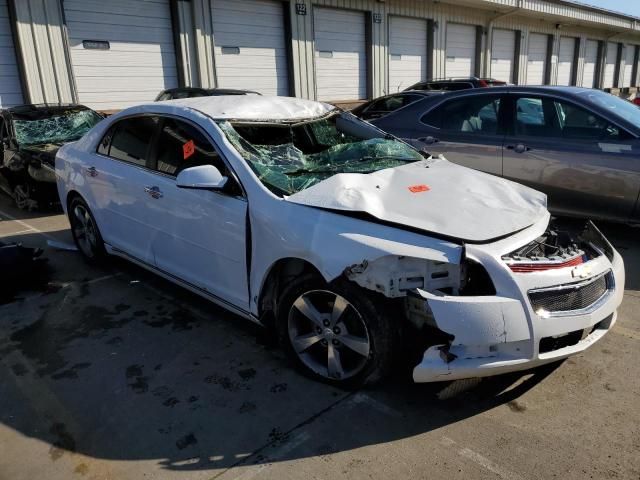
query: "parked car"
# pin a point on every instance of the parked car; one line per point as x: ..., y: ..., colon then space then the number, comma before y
x: 579, y: 146
x: 452, y: 84
x: 636, y: 101
x: 30, y: 138
x: 190, y: 92
x: 382, y: 106
x: 343, y: 239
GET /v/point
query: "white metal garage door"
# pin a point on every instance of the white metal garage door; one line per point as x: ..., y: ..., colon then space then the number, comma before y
x: 565, y: 60
x: 629, y: 52
x: 250, y: 49
x: 407, y: 52
x: 460, y: 50
x: 536, y: 58
x: 590, y: 61
x: 340, y: 54
x: 140, y: 59
x: 610, y: 66
x: 10, y: 91
x: 503, y: 47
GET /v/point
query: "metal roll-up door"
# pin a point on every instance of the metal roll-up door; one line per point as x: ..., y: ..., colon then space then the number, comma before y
x: 536, y: 58
x: 590, y: 62
x: 610, y: 65
x: 10, y: 90
x: 565, y: 60
x: 340, y: 54
x: 629, y: 52
x: 460, y: 50
x: 503, y: 47
x: 250, y: 45
x: 407, y: 52
x: 121, y: 51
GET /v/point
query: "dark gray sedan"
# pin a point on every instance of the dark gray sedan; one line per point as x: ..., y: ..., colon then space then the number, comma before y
x: 580, y: 146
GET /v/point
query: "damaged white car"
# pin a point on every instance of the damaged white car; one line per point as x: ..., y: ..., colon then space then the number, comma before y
x: 343, y: 239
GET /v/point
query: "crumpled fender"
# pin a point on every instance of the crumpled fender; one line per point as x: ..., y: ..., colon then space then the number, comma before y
x: 332, y: 242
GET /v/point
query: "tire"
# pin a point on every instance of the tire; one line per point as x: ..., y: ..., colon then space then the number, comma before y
x: 362, y: 335
x: 84, y: 229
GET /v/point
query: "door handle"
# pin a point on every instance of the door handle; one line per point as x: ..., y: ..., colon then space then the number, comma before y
x: 428, y: 140
x: 153, y: 192
x: 518, y: 148
x: 91, y: 171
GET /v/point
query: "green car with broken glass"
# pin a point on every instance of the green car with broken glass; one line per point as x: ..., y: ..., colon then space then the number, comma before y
x: 31, y: 136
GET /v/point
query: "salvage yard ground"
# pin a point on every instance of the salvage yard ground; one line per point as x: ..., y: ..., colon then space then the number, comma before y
x: 112, y: 372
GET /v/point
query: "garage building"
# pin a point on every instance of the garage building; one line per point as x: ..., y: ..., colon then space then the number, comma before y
x: 110, y: 54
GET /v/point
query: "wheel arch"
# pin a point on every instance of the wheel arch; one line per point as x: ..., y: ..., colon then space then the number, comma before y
x: 274, y: 280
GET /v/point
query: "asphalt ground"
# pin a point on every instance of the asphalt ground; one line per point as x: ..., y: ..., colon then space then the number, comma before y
x: 112, y: 372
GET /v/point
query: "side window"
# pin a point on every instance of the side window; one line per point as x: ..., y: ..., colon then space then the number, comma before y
x: 578, y: 123
x: 469, y: 115
x: 181, y: 146
x: 129, y: 140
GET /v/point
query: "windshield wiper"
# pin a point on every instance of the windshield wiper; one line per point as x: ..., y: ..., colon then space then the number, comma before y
x: 387, y: 157
x: 305, y: 171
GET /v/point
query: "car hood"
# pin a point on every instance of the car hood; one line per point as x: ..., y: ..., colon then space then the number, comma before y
x: 435, y: 196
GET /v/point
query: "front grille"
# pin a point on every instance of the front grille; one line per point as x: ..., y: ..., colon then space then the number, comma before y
x: 575, y: 296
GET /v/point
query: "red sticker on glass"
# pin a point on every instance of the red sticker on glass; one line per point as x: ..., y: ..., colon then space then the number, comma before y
x: 419, y: 188
x: 188, y: 149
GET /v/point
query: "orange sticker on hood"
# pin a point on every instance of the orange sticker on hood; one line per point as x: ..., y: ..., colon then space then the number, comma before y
x: 188, y: 149
x: 419, y: 188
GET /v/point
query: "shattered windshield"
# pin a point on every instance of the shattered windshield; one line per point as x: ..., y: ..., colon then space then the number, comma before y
x: 63, y: 126
x: 289, y: 157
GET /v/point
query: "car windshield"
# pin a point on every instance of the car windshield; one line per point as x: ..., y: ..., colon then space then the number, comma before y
x: 290, y: 157
x: 615, y: 105
x: 61, y: 126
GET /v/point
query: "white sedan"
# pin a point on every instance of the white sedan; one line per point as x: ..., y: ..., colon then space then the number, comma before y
x: 343, y: 239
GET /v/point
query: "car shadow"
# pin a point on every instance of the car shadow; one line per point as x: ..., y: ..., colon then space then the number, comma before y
x: 120, y: 364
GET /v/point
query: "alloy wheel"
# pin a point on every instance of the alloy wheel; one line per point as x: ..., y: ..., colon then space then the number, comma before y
x: 84, y: 231
x: 329, y: 335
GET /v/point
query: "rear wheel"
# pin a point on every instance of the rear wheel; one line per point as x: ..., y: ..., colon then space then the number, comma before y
x: 85, y: 231
x: 338, y: 333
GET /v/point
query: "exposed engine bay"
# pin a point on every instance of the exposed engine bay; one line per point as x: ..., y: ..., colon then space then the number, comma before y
x: 565, y: 243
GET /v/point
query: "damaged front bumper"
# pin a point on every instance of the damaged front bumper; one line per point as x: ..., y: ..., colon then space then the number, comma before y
x: 506, y: 332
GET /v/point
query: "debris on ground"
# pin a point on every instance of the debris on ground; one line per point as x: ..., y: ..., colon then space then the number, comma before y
x: 22, y: 268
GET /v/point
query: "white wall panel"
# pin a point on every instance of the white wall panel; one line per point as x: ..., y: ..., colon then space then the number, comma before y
x: 460, y: 50
x: 590, y: 63
x: 629, y: 52
x: 140, y: 61
x: 566, y: 55
x: 10, y: 91
x: 407, y: 52
x: 340, y: 54
x: 536, y: 58
x: 250, y: 49
x: 610, y: 65
x: 503, y: 47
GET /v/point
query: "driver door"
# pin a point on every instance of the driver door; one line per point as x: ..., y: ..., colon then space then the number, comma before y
x: 198, y: 236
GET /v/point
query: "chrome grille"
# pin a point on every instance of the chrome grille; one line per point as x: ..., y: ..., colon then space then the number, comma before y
x: 575, y: 296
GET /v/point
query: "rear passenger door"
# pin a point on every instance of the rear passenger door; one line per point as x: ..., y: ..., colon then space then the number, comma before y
x: 467, y: 131
x: 116, y: 179
x: 584, y: 163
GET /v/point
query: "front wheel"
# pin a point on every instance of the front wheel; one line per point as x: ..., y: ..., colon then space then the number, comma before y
x: 85, y: 231
x: 338, y: 333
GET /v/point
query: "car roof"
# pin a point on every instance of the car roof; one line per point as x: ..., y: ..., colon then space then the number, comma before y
x: 246, y: 107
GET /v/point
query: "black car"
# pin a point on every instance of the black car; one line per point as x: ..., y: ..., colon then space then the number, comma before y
x: 381, y: 106
x: 189, y: 92
x: 451, y: 84
x: 31, y: 135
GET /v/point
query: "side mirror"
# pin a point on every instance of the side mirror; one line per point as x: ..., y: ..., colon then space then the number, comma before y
x: 201, y: 177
